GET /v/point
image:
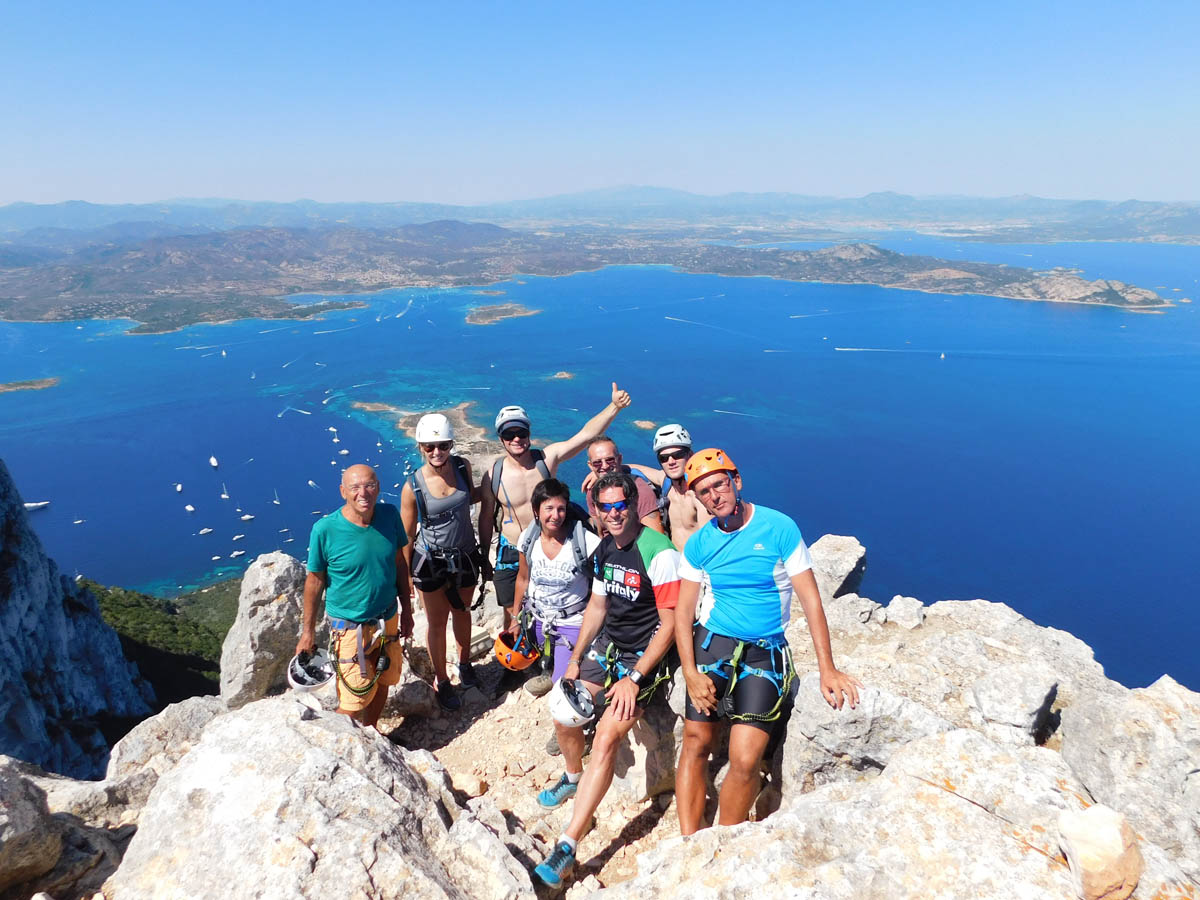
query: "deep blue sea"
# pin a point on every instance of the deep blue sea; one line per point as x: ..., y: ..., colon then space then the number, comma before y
x: 1049, y: 461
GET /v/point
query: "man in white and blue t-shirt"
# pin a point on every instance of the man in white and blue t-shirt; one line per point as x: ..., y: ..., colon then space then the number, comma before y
x: 735, y: 658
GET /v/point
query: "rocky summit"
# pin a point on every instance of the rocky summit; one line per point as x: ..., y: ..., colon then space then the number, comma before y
x: 988, y: 757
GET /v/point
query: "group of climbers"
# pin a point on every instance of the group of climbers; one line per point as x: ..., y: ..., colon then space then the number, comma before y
x: 611, y: 617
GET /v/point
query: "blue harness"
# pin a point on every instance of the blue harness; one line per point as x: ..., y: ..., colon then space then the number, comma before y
x: 781, y: 674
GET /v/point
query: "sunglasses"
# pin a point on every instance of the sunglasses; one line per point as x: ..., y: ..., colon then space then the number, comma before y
x: 619, y: 506
x: 440, y: 445
x: 602, y: 463
x: 672, y: 454
x: 511, y: 434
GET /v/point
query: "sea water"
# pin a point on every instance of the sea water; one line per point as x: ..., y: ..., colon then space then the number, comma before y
x: 1048, y: 461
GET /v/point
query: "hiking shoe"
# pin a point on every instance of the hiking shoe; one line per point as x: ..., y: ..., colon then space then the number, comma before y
x: 555, y: 796
x: 552, y: 747
x: 509, y: 681
x: 539, y: 685
x: 558, y: 865
x: 467, y: 676
x: 447, y: 698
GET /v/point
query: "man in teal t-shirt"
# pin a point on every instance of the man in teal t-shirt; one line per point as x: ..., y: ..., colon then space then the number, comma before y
x: 354, y: 557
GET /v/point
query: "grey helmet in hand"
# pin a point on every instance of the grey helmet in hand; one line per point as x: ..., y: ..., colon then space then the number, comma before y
x: 673, y: 435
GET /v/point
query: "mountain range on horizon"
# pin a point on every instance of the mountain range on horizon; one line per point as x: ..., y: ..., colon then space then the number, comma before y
x: 1021, y: 217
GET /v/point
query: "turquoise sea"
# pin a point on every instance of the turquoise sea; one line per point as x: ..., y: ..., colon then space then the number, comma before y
x: 1048, y: 461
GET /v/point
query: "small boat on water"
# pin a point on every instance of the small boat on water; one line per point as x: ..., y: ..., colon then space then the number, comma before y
x: 337, y: 440
x: 178, y: 488
x: 334, y: 430
x: 276, y: 500
x: 284, y: 530
x: 189, y: 507
x: 224, y: 491
x: 215, y: 558
x: 236, y: 553
x: 37, y: 504
x: 212, y: 461
x: 79, y: 521
x: 343, y: 453
x: 289, y: 540
x: 247, y: 517
x: 311, y: 483
x: 205, y: 531
x: 238, y: 537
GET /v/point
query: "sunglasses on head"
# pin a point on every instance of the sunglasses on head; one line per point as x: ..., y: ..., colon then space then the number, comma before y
x: 619, y: 506
x: 511, y: 434
x: 672, y: 454
x: 440, y: 445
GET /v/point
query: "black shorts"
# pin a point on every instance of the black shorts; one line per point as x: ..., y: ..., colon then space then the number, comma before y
x: 454, y: 569
x: 620, y: 662
x: 504, y: 576
x: 753, y: 695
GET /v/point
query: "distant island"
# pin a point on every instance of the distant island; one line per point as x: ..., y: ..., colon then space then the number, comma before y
x: 490, y: 315
x: 169, y: 282
x: 561, y: 376
x: 37, y: 384
x: 644, y: 424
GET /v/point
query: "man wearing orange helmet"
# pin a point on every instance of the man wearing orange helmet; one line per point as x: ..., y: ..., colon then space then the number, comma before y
x: 735, y: 658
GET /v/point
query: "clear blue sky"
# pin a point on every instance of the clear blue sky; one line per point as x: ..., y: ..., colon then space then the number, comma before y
x: 472, y: 102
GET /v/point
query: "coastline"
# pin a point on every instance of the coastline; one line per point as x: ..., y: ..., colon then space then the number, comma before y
x: 32, y: 384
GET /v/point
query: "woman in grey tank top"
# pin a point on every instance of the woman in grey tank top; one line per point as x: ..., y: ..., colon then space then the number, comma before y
x: 443, y: 558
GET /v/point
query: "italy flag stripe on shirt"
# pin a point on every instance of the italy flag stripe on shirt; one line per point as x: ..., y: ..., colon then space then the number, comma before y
x: 661, y: 566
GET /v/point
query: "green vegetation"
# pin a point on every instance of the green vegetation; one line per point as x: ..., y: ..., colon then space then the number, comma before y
x: 176, y: 644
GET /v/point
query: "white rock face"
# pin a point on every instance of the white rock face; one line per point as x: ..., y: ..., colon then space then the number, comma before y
x: 278, y: 800
x: 1139, y: 752
x: 262, y: 641
x: 60, y: 664
x: 838, y: 564
x: 1012, y: 702
x: 907, y: 612
x: 1102, y: 851
x: 952, y: 816
x: 30, y: 841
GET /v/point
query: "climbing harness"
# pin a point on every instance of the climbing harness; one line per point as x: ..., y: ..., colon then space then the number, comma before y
x: 615, y: 670
x: 781, y: 675
x: 361, y: 652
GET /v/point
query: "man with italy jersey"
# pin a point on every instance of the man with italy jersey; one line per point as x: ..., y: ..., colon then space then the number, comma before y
x: 626, y: 634
x: 736, y: 660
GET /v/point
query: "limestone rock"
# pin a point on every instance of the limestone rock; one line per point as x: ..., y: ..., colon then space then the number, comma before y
x: 953, y: 815
x: 413, y: 696
x: 30, y: 841
x: 61, y: 665
x: 1139, y: 752
x: 645, y: 763
x: 1102, y: 851
x: 825, y: 744
x: 262, y: 641
x: 1013, y: 703
x: 838, y: 563
x: 331, y: 809
x: 907, y: 612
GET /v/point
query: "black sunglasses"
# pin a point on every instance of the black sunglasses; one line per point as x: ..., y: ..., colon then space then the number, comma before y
x: 511, y: 434
x: 672, y: 454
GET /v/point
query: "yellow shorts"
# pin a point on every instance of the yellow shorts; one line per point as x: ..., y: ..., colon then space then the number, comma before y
x: 345, y: 645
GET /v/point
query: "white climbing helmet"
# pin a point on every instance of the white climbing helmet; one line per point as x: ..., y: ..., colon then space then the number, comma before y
x: 511, y: 415
x: 434, y: 427
x: 673, y: 435
x: 309, y: 671
x: 570, y: 703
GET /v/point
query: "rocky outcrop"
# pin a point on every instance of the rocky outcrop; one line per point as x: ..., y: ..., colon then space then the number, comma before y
x: 838, y: 564
x: 283, y: 800
x: 1102, y: 851
x: 257, y: 649
x: 61, y: 666
x: 1139, y: 752
x: 30, y: 842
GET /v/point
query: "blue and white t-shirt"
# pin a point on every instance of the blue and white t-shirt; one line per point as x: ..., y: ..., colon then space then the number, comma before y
x: 746, y: 574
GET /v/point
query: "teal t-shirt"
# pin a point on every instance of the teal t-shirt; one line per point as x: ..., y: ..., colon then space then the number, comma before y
x: 360, y: 563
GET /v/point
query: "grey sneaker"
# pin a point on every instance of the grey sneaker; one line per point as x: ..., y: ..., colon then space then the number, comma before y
x: 539, y: 685
x: 466, y: 675
x: 552, y: 747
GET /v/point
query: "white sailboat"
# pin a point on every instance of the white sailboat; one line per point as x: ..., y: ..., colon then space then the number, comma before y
x: 311, y: 483
x: 238, y: 537
x: 224, y: 491
x: 236, y: 553
x: 178, y: 488
x: 247, y: 517
x: 343, y: 453
x: 37, y: 504
x: 205, y: 531
x: 79, y: 521
x: 212, y: 461
x: 189, y: 507
x: 276, y: 500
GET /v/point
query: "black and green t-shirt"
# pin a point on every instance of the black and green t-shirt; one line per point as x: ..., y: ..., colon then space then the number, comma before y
x: 639, y: 579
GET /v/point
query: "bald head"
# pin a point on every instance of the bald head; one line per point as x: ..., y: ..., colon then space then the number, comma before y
x: 360, y: 490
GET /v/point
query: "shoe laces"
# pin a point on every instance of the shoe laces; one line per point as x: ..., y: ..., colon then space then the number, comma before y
x: 561, y: 855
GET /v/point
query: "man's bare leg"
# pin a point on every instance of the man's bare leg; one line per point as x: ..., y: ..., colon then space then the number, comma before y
x: 691, y: 778
x: 598, y: 775
x: 742, y: 782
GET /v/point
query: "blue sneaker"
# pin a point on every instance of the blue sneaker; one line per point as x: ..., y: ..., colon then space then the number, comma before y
x: 559, y: 794
x: 558, y: 865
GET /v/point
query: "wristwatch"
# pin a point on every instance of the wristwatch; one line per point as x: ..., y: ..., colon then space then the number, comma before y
x: 635, y: 676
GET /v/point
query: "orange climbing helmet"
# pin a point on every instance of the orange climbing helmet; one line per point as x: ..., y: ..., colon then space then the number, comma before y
x: 705, y: 462
x: 515, y: 653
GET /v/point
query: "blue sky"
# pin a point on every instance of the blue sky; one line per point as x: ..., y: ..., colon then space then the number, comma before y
x: 473, y: 102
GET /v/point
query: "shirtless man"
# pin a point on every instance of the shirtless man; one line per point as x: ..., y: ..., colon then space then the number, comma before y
x: 522, y: 467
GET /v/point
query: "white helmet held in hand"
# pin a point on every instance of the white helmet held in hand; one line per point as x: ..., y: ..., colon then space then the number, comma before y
x: 511, y: 415
x: 570, y: 703
x: 309, y: 671
x: 673, y: 435
x: 434, y: 427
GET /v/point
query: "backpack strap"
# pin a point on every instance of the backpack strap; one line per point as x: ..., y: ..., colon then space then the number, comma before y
x: 419, y: 496
x: 579, y: 544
